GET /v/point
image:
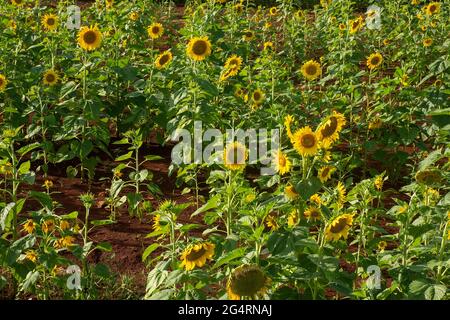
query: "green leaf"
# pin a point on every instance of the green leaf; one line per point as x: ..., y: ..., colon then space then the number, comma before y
x: 104, y: 246
x: 25, y: 149
x: 211, y: 204
x: 307, y: 188
x: 149, y: 250
x: 230, y: 256
x: 153, y: 158
x: 435, y: 292
x: 101, y: 222
x: 24, y: 167
x: 124, y: 156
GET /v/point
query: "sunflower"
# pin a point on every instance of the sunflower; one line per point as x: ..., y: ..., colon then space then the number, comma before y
x: 198, y: 48
x: 313, y: 213
x: 293, y: 218
x: 155, y: 30
x: 258, y: 97
x: 133, y: 16
x: 290, y: 192
x: 64, y: 225
x: 386, y: 42
x: 374, y: 60
x: 156, y: 222
x: 50, y: 22
x: 356, y: 24
x: 382, y: 245
x: 268, y: 45
x: 376, y: 123
x: 305, y: 141
x: 3, y: 83
x: 341, y: 194
x: 89, y: 38
x: 109, y: 4
x: 247, y: 281
x: 281, y: 163
x: 163, y: 60
x: 342, y: 27
x: 427, y: 42
x: 325, y: 173
x: 227, y: 73
x: 378, y: 182
x: 339, y: 227
x: 248, y: 35
x: 239, y: 7
x: 13, y: 25
x: 273, y: 11
x: 17, y: 2
x: 195, y: 255
x: 429, y: 177
x: 315, y: 198
x: 68, y: 241
x: 233, y: 62
x: 288, y: 120
x: 29, y: 226
x: 311, y: 70
x: 48, y: 226
x: 50, y: 78
x: 271, y: 222
x: 433, y: 8
x: 234, y: 156
x: 31, y: 255
x: 328, y: 131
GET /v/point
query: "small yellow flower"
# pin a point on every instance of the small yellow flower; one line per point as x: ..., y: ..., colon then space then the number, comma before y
x: 378, y: 182
x: 382, y: 245
x: 316, y: 199
x: 281, y: 163
x: 311, y: 70
x: 290, y: 192
x: 64, y: 225
x: 402, y: 209
x: 293, y: 218
x: 268, y: 45
x: 374, y: 60
x: 48, y: 226
x: 3, y: 82
x: 155, y: 30
x: 29, y: 226
x: 48, y: 184
x: 271, y: 222
x: 427, y: 42
x: 133, y: 16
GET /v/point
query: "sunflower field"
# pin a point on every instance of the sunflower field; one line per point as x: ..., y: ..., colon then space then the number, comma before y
x: 356, y: 204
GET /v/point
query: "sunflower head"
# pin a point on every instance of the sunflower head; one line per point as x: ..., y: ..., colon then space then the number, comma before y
x: 3, y: 82
x: 258, y: 97
x: 247, y: 281
x: 273, y: 11
x: 427, y: 42
x: 234, y: 156
x: 233, y: 62
x: 339, y: 227
x: 306, y: 142
x: 311, y: 70
x: 290, y: 192
x: 328, y: 131
x: 271, y: 222
x: 325, y: 173
x: 433, y: 8
x: 155, y: 30
x: 18, y: 3
x: 281, y: 163
x: 196, y: 255
x: 31, y: 255
x: 356, y: 24
x: 133, y: 16
x: 341, y: 194
x: 89, y: 38
x: 429, y: 177
x: 198, y: 48
x: 248, y: 35
x: 29, y: 226
x: 163, y: 60
x: 313, y: 213
x: 374, y: 60
x: 49, y: 22
x: 48, y: 226
x: 50, y: 78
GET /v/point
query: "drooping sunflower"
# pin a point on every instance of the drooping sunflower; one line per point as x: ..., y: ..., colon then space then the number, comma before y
x: 374, y: 60
x: 258, y: 97
x: 293, y: 218
x: 155, y: 30
x: 328, y: 131
x: 50, y: 22
x: 163, y: 60
x: 89, y: 38
x: 156, y: 222
x: 305, y: 141
x: 195, y: 255
x: 248, y: 35
x: 50, y: 78
x: 227, y: 73
x: 271, y: 222
x: 247, y: 281
x: 325, y: 173
x: 198, y: 48
x: 313, y: 213
x: 311, y: 70
x: 339, y: 227
x: 433, y: 8
x: 234, y: 156
x: 427, y: 42
x: 29, y: 226
x: 48, y: 226
x: 290, y: 192
x: 31, y: 255
x: 341, y: 194
x: 3, y: 83
x: 429, y: 177
x: 281, y: 163
x: 288, y: 120
x: 64, y: 225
